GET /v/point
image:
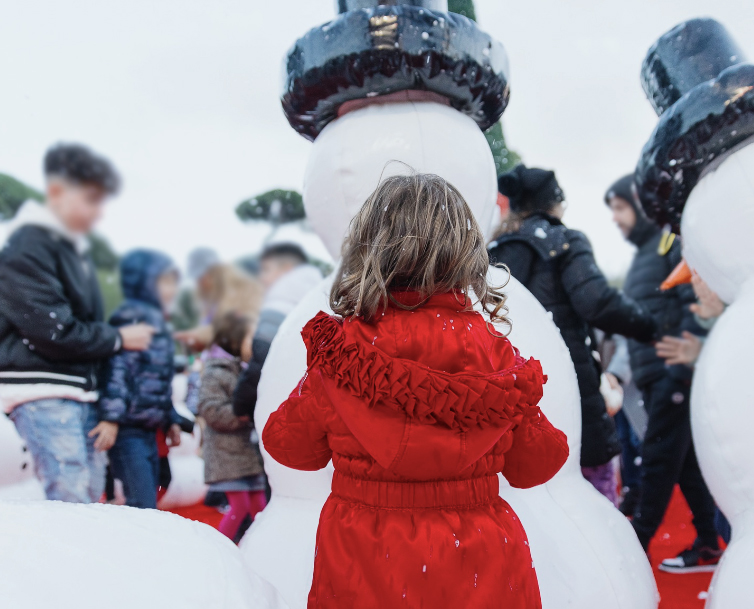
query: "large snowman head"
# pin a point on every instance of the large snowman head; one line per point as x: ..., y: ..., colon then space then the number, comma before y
x: 355, y: 151
x: 718, y: 224
x: 695, y: 172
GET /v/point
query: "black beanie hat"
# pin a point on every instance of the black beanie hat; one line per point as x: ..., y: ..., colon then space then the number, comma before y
x: 530, y: 190
x: 623, y: 189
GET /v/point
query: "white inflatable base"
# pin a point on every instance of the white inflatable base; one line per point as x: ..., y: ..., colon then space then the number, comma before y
x: 70, y: 556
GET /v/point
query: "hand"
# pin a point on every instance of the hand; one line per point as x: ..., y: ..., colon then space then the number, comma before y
x: 709, y: 305
x: 196, y: 339
x: 613, y: 380
x: 684, y: 350
x: 106, y: 433
x: 612, y: 392
x: 137, y: 337
x: 174, y: 435
x: 613, y: 408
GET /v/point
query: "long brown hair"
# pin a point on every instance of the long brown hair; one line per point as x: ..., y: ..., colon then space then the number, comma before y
x: 417, y: 233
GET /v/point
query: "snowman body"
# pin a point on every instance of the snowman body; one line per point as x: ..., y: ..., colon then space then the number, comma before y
x: 717, y: 225
x: 584, y: 550
x: 17, y: 480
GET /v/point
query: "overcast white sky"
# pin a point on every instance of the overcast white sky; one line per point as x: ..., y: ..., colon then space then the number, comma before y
x: 183, y: 96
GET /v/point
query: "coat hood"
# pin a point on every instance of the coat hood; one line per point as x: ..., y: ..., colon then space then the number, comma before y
x: 33, y: 213
x: 403, y: 411
x: 139, y: 271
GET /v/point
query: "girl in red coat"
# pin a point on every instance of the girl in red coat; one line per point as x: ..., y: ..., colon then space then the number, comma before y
x: 420, y: 403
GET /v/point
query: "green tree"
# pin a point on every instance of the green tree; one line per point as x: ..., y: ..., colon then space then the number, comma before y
x: 186, y: 313
x: 462, y: 7
x: 12, y: 194
x: 102, y: 253
x: 106, y: 262
x: 275, y: 206
x: 109, y: 286
x: 505, y: 159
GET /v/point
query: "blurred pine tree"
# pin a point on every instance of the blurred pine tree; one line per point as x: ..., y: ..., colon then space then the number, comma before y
x: 13, y: 194
x: 505, y: 159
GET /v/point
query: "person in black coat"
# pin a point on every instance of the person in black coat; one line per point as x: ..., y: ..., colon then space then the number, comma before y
x: 668, y: 456
x: 557, y: 266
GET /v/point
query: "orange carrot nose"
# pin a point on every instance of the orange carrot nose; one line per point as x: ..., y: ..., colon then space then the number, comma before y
x: 680, y: 275
x: 503, y: 203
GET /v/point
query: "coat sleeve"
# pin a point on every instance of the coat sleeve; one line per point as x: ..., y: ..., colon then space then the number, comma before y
x: 35, y: 303
x: 245, y: 395
x: 537, y: 453
x: 597, y: 303
x: 215, y: 403
x: 295, y: 435
x: 120, y: 373
x: 118, y: 387
x: 620, y: 364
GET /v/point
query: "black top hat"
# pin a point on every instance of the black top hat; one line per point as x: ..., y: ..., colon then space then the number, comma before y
x: 696, y: 78
x: 378, y: 47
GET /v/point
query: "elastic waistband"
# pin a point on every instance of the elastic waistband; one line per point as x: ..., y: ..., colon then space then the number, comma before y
x: 436, y: 494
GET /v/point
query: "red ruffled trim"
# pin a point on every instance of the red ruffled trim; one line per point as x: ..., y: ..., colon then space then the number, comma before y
x: 457, y: 401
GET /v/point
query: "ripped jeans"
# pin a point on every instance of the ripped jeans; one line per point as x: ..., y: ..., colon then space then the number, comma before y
x: 55, y: 431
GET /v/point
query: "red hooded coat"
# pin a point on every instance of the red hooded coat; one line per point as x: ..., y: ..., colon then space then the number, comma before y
x: 419, y: 411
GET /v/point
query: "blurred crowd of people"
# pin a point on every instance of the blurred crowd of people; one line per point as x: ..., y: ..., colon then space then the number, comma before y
x: 84, y: 392
x: 92, y: 398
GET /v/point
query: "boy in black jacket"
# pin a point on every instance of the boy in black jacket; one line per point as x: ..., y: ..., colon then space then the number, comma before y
x: 52, y: 335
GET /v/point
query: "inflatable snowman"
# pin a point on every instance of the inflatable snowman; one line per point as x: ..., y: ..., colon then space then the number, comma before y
x: 72, y: 556
x: 378, y: 89
x: 697, y: 174
x: 17, y: 479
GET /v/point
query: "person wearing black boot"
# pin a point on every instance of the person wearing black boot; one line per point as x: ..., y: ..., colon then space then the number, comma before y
x: 668, y: 456
x: 557, y: 266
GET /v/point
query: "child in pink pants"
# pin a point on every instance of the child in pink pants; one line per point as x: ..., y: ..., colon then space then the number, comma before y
x: 232, y: 462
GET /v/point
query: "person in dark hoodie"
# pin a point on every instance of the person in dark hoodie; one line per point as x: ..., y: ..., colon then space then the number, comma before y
x: 557, y: 266
x: 668, y: 456
x: 53, y: 338
x: 137, y: 393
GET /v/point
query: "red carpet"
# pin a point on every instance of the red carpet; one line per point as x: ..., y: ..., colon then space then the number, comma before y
x: 200, y: 512
x: 675, y: 534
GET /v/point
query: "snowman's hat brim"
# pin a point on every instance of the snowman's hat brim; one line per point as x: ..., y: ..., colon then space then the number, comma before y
x: 377, y: 51
x: 695, y: 132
